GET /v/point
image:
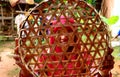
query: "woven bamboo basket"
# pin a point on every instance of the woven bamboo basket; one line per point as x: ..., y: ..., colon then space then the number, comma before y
x: 64, y: 39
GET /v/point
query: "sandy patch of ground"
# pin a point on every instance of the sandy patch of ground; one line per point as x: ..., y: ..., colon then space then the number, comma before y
x: 7, y: 63
x: 116, y: 69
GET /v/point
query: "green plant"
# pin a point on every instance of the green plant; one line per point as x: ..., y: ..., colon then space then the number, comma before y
x: 14, y: 72
x: 116, y: 53
x: 92, y: 2
x: 3, y: 4
x: 38, y: 1
x: 2, y: 38
x: 110, y: 21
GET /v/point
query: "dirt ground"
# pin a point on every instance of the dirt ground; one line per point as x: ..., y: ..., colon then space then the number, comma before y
x: 8, y: 68
x: 7, y: 64
x: 116, y: 69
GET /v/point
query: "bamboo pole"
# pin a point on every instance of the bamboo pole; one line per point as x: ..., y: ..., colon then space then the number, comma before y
x: 12, y: 21
x: 2, y: 15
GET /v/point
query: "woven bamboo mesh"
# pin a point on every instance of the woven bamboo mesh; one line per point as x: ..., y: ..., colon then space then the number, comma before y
x: 63, y: 39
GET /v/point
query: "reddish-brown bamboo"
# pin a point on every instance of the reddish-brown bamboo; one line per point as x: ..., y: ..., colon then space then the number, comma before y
x: 64, y: 39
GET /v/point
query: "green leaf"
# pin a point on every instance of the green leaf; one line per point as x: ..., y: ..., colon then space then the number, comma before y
x: 89, y: 1
x: 38, y: 1
x: 112, y: 20
x: 105, y: 20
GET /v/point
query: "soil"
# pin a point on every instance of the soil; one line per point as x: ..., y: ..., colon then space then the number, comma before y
x: 8, y: 66
x: 7, y: 63
x: 116, y: 69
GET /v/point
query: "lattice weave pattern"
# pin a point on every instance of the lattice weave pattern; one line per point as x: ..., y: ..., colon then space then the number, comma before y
x: 63, y: 39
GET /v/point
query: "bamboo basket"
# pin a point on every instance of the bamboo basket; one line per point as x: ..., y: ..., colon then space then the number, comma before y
x: 64, y: 39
